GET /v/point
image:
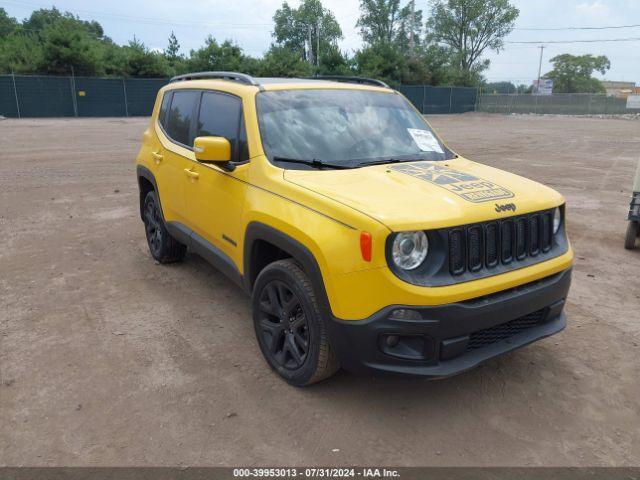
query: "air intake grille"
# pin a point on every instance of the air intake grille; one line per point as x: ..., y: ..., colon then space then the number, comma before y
x: 498, y: 333
x: 486, y: 245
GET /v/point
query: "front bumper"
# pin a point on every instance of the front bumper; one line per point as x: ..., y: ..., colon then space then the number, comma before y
x: 448, y: 339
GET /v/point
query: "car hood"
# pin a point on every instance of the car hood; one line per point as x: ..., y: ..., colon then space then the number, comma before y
x: 425, y: 195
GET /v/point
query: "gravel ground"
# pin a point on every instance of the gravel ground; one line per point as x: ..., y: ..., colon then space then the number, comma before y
x: 109, y: 359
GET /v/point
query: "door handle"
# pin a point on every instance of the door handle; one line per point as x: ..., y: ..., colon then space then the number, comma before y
x: 157, y: 157
x: 190, y: 173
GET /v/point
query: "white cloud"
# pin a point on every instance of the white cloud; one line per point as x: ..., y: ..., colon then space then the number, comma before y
x: 595, y: 10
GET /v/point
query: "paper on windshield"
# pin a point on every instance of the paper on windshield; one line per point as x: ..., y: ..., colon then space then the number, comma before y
x: 426, y: 141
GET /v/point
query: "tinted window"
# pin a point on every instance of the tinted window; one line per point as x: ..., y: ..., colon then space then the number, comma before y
x: 166, y: 101
x: 349, y: 127
x: 180, y: 115
x: 220, y: 117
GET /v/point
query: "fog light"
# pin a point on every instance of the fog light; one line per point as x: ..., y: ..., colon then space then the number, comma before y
x: 392, y: 340
x: 405, y: 314
x: 408, y: 347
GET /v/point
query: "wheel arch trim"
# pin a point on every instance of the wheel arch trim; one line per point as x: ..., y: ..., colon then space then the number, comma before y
x: 144, y: 172
x: 257, y: 231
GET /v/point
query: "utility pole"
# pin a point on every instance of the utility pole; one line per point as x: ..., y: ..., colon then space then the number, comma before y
x: 541, y: 47
x: 318, y: 42
x: 412, y: 40
x: 310, y: 40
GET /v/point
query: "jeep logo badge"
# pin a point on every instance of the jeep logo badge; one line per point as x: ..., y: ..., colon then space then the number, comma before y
x: 507, y: 207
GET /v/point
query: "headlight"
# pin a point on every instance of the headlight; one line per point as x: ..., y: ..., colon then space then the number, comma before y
x: 557, y: 220
x: 409, y: 250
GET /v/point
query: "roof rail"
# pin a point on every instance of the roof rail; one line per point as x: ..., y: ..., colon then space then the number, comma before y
x: 347, y: 79
x: 233, y: 76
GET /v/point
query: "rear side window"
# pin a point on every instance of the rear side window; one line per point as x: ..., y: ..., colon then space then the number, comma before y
x: 164, y: 107
x: 180, y: 116
x: 220, y: 116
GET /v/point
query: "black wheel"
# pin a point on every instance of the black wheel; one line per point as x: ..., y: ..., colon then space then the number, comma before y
x: 289, y: 328
x: 163, y: 247
x: 633, y: 232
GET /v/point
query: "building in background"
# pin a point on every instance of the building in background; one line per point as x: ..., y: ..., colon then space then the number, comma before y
x: 619, y: 89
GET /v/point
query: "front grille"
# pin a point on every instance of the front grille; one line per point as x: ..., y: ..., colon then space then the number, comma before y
x: 486, y: 245
x: 489, y: 336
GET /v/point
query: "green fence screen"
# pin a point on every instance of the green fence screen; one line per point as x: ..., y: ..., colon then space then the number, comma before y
x: 46, y: 96
x: 430, y: 100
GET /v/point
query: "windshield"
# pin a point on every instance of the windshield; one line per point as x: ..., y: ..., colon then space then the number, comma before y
x: 348, y: 128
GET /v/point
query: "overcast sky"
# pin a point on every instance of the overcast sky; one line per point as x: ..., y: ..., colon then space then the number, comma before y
x: 249, y: 23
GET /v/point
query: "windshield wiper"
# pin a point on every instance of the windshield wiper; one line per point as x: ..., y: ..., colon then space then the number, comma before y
x: 313, y: 163
x: 392, y: 160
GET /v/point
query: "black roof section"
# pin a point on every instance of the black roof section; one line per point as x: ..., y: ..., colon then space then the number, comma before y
x: 257, y: 82
x: 347, y: 79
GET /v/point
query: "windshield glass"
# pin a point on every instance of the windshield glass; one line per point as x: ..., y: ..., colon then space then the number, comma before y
x: 350, y: 128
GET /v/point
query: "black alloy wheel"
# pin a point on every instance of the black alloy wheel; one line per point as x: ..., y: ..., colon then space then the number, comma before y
x: 163, y: 247
x: 290, y: 330
x: 284, y: 325
x: 152, y: 225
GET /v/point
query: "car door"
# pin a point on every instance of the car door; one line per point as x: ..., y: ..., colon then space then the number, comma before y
x: 214, y: 196
x: 177, y: 133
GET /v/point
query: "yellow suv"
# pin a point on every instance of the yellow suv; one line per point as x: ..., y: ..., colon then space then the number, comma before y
x: 363, y: 240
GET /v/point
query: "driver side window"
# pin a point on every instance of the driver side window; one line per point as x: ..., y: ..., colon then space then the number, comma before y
x: 221, y: 116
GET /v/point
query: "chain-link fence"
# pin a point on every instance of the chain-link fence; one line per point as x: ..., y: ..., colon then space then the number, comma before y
x: 46, y: 96
x: 430, y: 100
x: 559, y: 103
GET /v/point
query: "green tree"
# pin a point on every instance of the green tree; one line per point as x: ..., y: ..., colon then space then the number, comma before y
x: 334, y: 62
x: 172, y: 54
x: 306, y: 28
x: 429, y: 66
x: 43, y: 18
x: 215, y: 56
x: 469, y: 28
x: 7, y: 24
x: 573, y: 74
x: 282, y: 61
x: 396, y: 48
x: 20, y: 52
x: 378, y: 21
x: 409, y: 36
x: 67, y: 48
x: 139, y: 61
x: 382, y: 61
x: 113, y: 59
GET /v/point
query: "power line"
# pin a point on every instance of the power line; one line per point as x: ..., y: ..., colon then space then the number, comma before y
x: 538, y: 42
x: 576, y: 28
x: 146, y: 20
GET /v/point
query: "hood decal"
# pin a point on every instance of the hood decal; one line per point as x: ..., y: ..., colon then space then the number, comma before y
x: 465, y: 185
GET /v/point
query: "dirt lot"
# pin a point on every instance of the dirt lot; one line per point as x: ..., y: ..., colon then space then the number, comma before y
x: 109, y: 359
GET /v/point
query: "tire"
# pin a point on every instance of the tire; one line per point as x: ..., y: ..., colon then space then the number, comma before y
x: 163, y: 247
x: 288, y: 325
x: 633, y: 231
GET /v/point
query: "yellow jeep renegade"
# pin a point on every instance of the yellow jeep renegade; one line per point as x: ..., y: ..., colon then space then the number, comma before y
x: 363, y: 240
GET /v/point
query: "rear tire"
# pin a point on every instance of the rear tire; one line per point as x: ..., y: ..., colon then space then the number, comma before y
x: 288, y: 325
x: 163, y: 247
x: 633, y: 231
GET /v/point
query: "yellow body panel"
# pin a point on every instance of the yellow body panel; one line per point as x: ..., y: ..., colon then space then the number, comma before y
x: 327, y: 210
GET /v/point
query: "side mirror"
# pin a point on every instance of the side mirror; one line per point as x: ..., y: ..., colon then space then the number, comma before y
x: 213, y: 150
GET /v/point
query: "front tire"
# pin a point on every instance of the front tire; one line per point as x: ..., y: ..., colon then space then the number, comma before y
x: 633, y: 231
x: 163, y: 247
x: 288, y: 325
